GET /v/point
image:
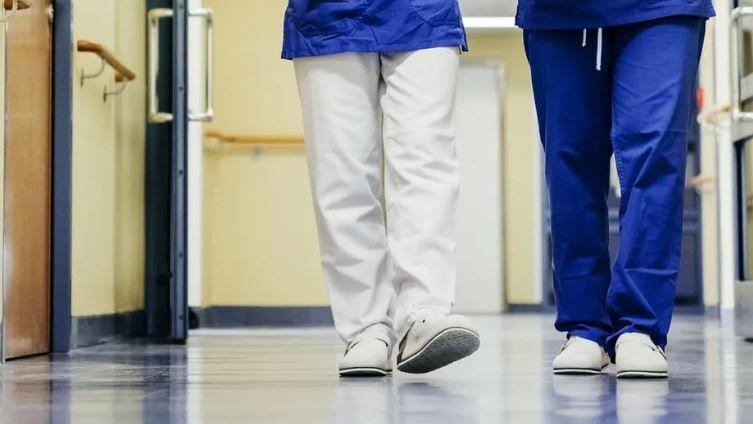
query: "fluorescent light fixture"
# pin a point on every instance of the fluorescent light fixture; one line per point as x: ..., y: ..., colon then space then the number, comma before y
x: 489, y: 22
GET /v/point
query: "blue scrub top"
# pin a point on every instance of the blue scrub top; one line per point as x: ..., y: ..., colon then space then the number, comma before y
x: 576, y: 14
x: 320, y: 27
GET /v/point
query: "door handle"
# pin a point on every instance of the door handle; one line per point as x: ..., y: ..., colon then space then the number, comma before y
x: 208, y: 114
x: 11, y: 7
x: 154, y: 18
x: 736, y: 64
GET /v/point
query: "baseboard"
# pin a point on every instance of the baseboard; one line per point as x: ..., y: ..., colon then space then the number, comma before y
x: 712, y: 311
x: 528, y: 308
x: 97, y: 329
x: 264, y: 316
x: 689, y: 309
x: 537, y: 308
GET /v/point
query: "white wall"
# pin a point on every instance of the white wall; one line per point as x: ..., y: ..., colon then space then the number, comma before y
x: 724, y: 158
x: 479, y: 146
x: 196, y: 102
x: 488, y: 8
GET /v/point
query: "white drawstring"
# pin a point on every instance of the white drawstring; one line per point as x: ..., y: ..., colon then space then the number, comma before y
x: 599, y: 45
x: 598, y: 50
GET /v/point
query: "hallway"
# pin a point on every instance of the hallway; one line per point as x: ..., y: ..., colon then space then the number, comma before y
x: 288, y: 376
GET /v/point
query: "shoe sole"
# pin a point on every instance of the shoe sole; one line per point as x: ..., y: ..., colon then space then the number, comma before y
x: 579, y: 371
x: 364, y: 372
x: 443, y: 349
x: 642, y: 374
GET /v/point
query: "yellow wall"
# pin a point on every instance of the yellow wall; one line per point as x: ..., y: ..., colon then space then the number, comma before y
x: 108, y: 164
x: 259, y: 231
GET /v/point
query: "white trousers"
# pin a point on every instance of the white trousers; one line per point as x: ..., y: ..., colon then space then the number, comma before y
x: 360, y: 112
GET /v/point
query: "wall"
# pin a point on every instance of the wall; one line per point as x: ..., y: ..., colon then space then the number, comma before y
x: 709, y: 193
x: 520, y: 167
x: 259, y: 234
x: 260, y: 245
x: 108, y: 150
x: 480, y: 220
x: 2, y: 170
x: 726, y: 235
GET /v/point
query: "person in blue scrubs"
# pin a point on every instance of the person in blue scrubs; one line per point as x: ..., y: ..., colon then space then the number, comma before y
x: 377, y: 82
x: 323, y: 27
x: 614, y: 77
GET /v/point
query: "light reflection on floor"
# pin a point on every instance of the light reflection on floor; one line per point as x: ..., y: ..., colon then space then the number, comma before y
x: 287, y: 376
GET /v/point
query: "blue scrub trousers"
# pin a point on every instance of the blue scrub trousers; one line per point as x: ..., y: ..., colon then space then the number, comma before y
x: 637, y: 107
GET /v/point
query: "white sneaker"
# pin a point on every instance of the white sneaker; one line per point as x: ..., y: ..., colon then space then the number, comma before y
x: 365, y: 357
x: 638, y: 357
x: 580, y: 356
x: 436, y: 340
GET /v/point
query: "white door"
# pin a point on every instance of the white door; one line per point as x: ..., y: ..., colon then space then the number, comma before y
x: 479, y: 144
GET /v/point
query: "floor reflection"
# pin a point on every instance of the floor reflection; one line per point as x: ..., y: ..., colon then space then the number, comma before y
x: 427, y: 402
x: 582, y: 399
x: 368, y: 398
x: 287, y: 376
x: 390, y: 400
x: 642, y: 401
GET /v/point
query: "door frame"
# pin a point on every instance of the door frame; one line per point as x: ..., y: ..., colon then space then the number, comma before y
x: 62, y: 161
x: 165, y: 283
x: 179, y: 199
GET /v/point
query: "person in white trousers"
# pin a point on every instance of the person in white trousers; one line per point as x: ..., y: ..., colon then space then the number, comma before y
x: 382, y: 123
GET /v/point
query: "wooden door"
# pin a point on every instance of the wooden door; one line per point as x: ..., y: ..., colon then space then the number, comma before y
x: 26, y: 266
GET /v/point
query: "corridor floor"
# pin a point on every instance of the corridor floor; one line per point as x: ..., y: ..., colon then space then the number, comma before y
x: 288, y: 376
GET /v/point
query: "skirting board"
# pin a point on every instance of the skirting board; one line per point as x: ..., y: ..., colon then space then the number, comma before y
x: 264, y: 316
x: 294, y: 316
x: 537, y: 308
x: 92, y: 330
x: 528, y: 308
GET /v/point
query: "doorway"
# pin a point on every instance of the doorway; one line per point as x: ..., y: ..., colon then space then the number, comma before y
x: 167, y: 136
x: 480, y: 256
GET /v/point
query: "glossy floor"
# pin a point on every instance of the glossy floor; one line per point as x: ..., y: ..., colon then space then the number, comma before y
x: 287, y: 376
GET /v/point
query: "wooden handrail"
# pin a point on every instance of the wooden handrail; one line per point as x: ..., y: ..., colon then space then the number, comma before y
x: 701, y: 179
x: 710, y: 115
x: 252, y: 140
x: 122, y: 72
x: 22, y: 4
